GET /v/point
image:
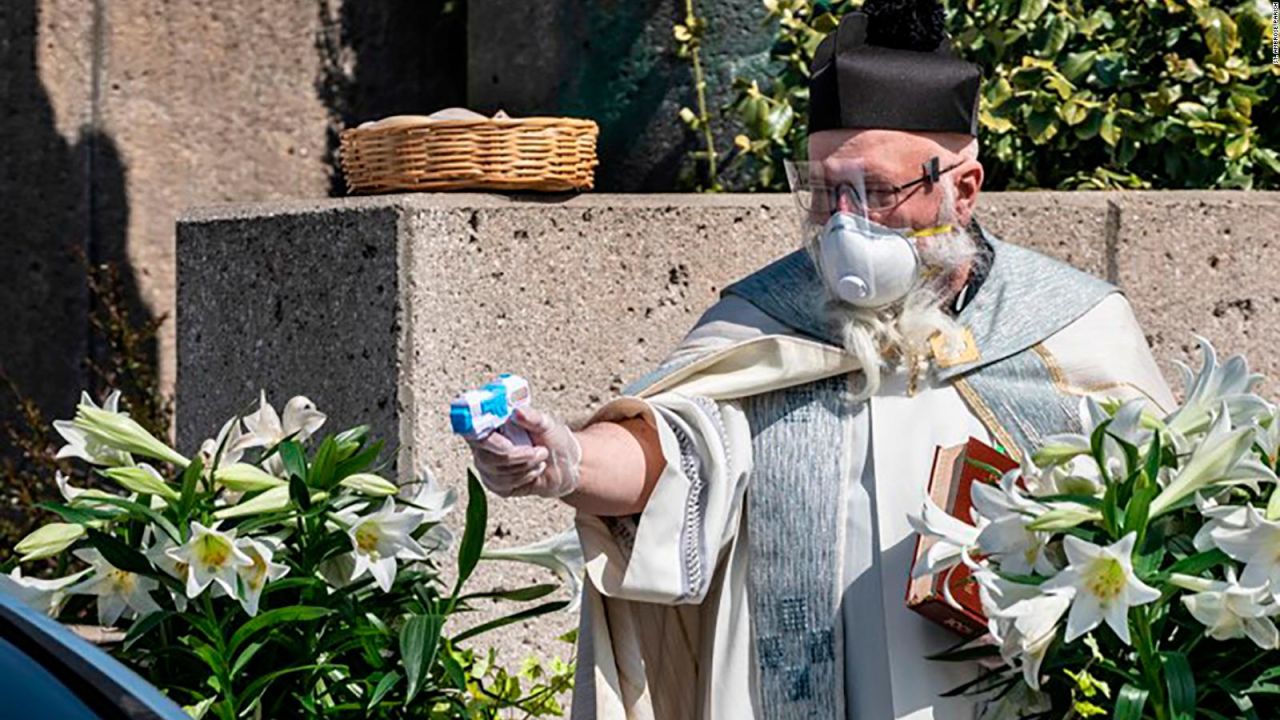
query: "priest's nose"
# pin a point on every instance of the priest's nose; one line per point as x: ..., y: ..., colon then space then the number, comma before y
x: 846, y: 201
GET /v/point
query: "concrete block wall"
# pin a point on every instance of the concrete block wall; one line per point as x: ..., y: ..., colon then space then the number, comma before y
x: 380, y: 309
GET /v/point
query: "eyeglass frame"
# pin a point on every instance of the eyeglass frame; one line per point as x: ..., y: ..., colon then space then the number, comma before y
x: 930, y: 173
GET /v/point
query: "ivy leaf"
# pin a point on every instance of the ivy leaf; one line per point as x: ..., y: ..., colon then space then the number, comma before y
x: 1237, y: 147
x: 1109, y: 132
x: 1078, y: 63
x: 1220, y: 33
x: 1031, y: 10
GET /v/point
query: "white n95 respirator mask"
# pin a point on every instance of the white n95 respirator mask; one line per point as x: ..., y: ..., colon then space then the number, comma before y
x: 865, y: 263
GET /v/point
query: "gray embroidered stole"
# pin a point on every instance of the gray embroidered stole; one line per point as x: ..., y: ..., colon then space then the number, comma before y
x: 793, y: 495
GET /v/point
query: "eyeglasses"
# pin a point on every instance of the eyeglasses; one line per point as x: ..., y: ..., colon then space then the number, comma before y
x: 820, y: 194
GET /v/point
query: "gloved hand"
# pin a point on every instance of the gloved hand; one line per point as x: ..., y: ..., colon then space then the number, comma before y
x: 548, y: 468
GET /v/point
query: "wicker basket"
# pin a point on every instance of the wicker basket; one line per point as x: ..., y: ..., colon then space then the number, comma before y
x: 407, y: 152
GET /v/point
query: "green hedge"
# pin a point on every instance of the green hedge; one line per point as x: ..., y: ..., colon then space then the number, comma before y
x: 1076, y: 95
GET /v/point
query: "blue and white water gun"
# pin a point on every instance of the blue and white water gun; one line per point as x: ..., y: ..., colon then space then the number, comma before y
x: 476, y: 413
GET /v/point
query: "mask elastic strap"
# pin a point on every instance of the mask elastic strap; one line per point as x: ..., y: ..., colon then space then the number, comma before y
x: 926, y: 232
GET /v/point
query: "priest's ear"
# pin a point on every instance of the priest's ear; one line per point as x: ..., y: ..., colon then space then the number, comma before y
x: 968, y: 183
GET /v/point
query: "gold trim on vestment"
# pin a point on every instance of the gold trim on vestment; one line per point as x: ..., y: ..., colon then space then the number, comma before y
x: 1059, y: 379
x: 988, y: 418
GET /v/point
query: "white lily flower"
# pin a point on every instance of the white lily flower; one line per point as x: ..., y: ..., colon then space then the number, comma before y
x: 1222, y: 457
x: 266, y: 429
x: 229, y: 440
x: 428, y: 497
x: 1059, y: 449
x: 1230, y: 610
x: 561, y: 554
x: 263, y: 569
x: 86, y: 446
x: 46, y: 596
x: 1076, y: 476
x: 377, y: 540
x: 1217, y: 517
x: 121, y: 432
x: 158, y: 554
x: 48, y: 540
x: 70, y: 493
x: 1005, y: 537
x: 1230, y: 384
x: 952, y: 538
x: 118, y: 590
x: 1256, y: 543
x: 1022, y: 619
x: 1033, y: 626
x: 1102, y: 585
x: 243, y: 477
x: 210, y: 555
x: 144, y: 480
x: 369, y: 484
x: 1267, y: 432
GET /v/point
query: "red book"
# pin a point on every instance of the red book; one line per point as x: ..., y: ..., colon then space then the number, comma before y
x: 955, y: 470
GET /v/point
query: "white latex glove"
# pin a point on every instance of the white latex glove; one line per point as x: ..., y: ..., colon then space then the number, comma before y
x: 548, y: 468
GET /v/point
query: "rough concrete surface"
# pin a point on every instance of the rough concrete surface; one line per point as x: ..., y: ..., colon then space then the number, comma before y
x: 416, y: 297
x: 115, y: 115
x: 48, y: 148
x: 1204, y: 263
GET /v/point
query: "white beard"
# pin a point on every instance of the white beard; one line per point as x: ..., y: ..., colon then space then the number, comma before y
x: 899, y: 334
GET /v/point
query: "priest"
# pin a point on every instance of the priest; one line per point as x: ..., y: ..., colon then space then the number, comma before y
x: 744, y: 507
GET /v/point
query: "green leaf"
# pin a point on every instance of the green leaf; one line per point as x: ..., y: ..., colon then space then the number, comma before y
x: 1267, y: 157
x: 533, y: 612
x: 384, y: 686
x: 299, y: 493
x: 1198, y: 563
x: 1220, y: 33
x: 418, y: 642
x: 453, y: 668
x: 1077, y: 64
x: 257, y: 687
x: 1181, y: 683
x: 120, y: 556
x: 525, y: 594
x: 142, y: 627
x: 1129, y: 703
x: 169, y: 528
x: 1109, y: 132
x: 473, y: 534
x: 190, y: 480
x: 297, y: 613
x: 321, y: 473
x: 78, y: 515
x: 295, y: 461
x: 1237, y: 147
x: 245, y: 656
x: 359, y: 461
x: 966, y: 654
x: 1031, y: 10
x: 1042, y: 126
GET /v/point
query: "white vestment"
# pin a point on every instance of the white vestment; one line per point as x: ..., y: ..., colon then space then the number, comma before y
x: 657, y: 648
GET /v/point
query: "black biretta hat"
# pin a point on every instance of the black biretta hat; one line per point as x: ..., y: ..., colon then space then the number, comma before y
x: 890, y: 65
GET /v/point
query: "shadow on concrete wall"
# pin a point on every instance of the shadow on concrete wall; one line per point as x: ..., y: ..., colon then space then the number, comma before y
x: 388, y: 57
x: 58, y: 199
